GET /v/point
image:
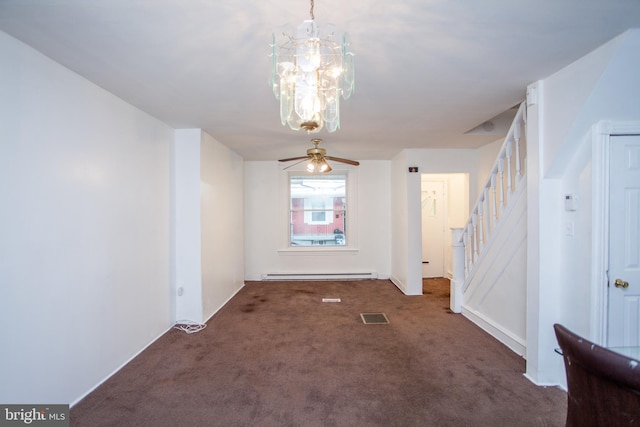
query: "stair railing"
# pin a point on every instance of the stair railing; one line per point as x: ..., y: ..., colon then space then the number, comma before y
x: 503, y: 182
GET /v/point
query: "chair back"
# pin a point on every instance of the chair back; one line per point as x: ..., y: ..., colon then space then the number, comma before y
x: 603, y: 386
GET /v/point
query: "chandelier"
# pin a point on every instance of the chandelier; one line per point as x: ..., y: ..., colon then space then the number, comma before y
x: 311, y: 69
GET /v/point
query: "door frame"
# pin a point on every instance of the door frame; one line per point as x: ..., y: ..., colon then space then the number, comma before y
x: 444, y: 179
x: 601, y: 134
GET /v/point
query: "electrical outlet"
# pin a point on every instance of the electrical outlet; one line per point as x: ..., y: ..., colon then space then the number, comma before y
x: 568, y: 228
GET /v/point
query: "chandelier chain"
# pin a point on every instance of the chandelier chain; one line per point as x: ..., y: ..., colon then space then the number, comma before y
x: 313, y: 18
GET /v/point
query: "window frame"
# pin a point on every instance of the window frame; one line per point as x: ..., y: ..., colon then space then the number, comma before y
x: 351, y: 235
x: 327, y: 205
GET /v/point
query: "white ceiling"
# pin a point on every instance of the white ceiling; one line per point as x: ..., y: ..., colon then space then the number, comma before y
x: 427, y: 71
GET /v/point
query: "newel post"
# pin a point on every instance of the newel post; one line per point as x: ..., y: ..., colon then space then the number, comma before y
x: 457, y: 267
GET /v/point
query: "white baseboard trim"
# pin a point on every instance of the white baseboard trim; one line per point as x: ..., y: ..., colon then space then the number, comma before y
x: 225, y: 303
x: 91, y: 390
x: 516, y: 344
x: 321, y: 276
x: 542, y: 384
x: 75, y: 402
x: 399, y: 284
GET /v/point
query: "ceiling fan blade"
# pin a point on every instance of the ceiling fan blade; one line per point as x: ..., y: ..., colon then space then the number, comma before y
x: 338, y: 159
x: 293, y: 158
x: 304, y: 159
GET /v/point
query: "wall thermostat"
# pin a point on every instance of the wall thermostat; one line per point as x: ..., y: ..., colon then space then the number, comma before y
x: 571, y: 202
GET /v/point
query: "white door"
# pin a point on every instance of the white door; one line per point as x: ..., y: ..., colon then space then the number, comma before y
x: 432, y: 228
x: 624, y: 241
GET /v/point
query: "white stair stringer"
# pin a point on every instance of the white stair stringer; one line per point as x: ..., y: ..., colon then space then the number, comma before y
x: 495, y: 291
x: 489, y: 252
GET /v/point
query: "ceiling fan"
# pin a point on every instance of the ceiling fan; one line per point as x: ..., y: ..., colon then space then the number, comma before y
x: 318, y: 157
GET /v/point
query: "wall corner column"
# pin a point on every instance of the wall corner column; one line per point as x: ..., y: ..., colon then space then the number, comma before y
x: 457, y: 267
x: 186, y: 246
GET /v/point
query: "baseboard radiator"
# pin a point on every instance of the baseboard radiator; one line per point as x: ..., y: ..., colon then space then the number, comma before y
x: 320, y: 276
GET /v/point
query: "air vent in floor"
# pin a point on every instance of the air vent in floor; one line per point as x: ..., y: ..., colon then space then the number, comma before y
x: 374, y: 318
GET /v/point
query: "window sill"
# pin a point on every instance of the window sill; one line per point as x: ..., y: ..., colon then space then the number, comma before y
x: 315, y: 250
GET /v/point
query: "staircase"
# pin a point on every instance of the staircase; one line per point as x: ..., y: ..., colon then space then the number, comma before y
x: 489, y: 252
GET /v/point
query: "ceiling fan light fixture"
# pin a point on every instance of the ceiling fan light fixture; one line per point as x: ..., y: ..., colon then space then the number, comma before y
x: 311, y: 69
x: 318, y: 165
x: 317, y: 159
x: 311, y: 166
x: 324, y: 166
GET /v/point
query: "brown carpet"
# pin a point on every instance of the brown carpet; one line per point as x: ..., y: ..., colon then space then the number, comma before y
x: 276, y: 355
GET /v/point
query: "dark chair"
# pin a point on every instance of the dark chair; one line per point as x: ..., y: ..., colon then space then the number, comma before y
x: 603, y: 386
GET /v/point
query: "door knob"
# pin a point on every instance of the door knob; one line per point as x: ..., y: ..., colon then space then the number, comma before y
x: 621, y: 283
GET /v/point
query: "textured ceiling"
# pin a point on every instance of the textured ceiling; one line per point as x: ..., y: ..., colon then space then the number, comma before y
x: 428, y: 72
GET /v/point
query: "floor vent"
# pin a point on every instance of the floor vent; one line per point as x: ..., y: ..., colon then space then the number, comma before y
x: 374, y: 318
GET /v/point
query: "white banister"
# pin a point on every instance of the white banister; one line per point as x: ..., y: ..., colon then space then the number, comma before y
x: 517, y: 131
x: 465, y: 243
x: 498, y: 192
x: 501, y: 184
x: 480, y: 224
x: 474, y: 228
x: 492, y: 182
x: 469, y: 245
x: 508, y: 159
x: 487, y: 211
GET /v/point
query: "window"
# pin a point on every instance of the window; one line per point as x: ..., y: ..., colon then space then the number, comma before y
x: 317, y: 210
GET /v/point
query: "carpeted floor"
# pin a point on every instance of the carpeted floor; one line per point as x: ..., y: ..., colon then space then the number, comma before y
x: 276, y: 355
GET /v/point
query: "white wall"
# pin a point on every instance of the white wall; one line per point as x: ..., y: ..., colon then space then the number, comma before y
x: 187, y: 230
x: 265, y: 213
x: 222, y: 224
x: 486, y: 157
x: 403, y: 248
x: 457, y: 202
x: 495, y: 298
x: 406, y: 219
x: 603, y: 85
x: 84, y: 230
x: 209, y: 250
x: 448, y: 161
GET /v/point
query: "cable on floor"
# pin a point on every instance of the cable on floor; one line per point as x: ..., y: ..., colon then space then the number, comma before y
x: 189, y: 326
